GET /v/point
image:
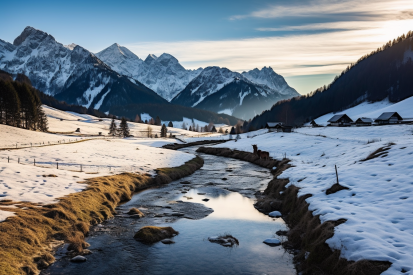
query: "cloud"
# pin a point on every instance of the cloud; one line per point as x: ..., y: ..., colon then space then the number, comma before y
x: 323, y: 8
x: 304, y: 54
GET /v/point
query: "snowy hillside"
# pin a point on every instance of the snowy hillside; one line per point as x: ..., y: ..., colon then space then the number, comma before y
x: 80, y: 155
x: 373, y: 110
x: 162, y: 74
x: 377, y: 206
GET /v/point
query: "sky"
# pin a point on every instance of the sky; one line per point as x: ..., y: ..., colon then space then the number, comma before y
x: 306, y: 41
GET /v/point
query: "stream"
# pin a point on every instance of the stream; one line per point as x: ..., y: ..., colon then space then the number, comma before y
x: 229, y: 185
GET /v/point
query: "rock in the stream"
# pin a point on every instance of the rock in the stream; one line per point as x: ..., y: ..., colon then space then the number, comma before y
x: 226, y: 240
x: 281, y: 233
x: 178, y: 214
x: 167, y: 241
x: 272, y: 242
x: 201, y: 193
x: 78, y: 259
x: 153, y: 234
x: 275, y: 214
x: 135, y: 213
x: 185, y: 182
x: 205, y: 199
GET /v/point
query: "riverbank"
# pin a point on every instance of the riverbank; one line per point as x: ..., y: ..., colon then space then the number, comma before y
x: 307, y: 233
x: 177, y: 146
x: 27, y: 238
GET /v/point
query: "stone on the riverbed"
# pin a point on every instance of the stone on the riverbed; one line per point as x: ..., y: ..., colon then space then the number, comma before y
x: 153, y: 234
x: 224, y: 240
x: 205, y: 199
x: 272, y: 242
x: 167, y: 241
x: 135, y: 213
x: 185, y: 182
x: 177, y: 214
x: 78, y: 259
x: 201, y: 193
x: 275, y: 214
x: 282, y: 232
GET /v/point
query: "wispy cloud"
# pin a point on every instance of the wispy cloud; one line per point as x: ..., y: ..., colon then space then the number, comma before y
x: 377, y: 9
x: 304, y: 54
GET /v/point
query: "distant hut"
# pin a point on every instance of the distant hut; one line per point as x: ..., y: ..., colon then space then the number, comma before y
x: 364, y: 121
x: 340, y: 120
x: 272, y: 126
x: 388, y: 118
x: 284, y: 128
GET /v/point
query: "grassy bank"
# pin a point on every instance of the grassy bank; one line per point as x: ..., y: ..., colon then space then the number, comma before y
x: 307, y: 234
x: 27, y: 237
x: 177, y: 146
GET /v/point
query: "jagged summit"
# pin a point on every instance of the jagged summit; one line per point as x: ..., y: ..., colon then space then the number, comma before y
x: 150, y: 58
x: 30, y: 31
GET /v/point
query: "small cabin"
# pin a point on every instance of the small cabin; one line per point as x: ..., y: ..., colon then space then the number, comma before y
x: 284, y: 128
x: 364, y: 121
x: 272, y: 126
x: 388, y: 118
x: 340, y: 120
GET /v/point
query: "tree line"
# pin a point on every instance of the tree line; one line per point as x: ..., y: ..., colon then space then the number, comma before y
x: 20, y: 104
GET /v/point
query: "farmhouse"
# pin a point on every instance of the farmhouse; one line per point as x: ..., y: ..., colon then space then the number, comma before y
x: 272, y: 126
x: 364, y: 121
x: 388, y: 118
x: 340, y: 120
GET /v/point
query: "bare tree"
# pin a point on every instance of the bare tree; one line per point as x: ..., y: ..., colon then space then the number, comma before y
x: 149, y: 131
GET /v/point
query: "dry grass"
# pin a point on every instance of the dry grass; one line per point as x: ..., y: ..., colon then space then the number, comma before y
x: 381, y: 152
x: 153, y: 234
x: 25, y: 237
x: 335, y: 188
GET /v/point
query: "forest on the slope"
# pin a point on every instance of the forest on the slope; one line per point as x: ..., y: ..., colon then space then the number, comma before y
x: 384, y: 73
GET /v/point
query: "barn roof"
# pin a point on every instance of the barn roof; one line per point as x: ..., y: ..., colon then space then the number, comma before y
x: 336, y: 118
x: 388, y: 115
x: 364, y: 119
x: 273, y: 124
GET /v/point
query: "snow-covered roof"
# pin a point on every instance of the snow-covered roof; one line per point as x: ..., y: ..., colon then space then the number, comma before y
x: 388, y: 115
x: 364, y: 119
x: 273, y: 124
x: 336, y: 118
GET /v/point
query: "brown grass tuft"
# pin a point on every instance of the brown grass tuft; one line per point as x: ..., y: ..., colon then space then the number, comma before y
x: 135, y: 211
x: 153, y: 234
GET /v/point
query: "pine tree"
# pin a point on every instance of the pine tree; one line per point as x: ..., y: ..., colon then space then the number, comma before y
x: 158, y: 121
x: 190, y: 128
x: 138, y: 118
x: 113, y: 128
x: 124, y: 128
x: 232, y: 131
x: 9, y: 104
x: 213, y: 129
x: 164, y: 131
x: 42, y: 123
x: 170, y: 124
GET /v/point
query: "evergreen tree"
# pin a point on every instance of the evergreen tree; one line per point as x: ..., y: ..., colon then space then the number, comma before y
x: 232, y: 131
x: 9, y: 104
x: 158, y: 121
x: 213, y: 130
x: 138, y: 118
x: 170, y: 124
x: 164, y: 131
x: 221, y: 131
x: 190, y: 128
x: 42, y: 123
x: 124, y: 128
x: 113, y: 128
x: 28, y: 110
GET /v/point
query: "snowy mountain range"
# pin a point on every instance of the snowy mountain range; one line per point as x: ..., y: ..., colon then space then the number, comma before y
x: 70, y: 73
x: 117, y: 77
x: 242, y: 95
x: 162, y: 74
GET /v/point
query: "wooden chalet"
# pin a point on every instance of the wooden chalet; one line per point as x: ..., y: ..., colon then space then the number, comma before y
x: 364, y: 121
x: 388, y: 118
x: 272, y: 126
x: 340, y: 120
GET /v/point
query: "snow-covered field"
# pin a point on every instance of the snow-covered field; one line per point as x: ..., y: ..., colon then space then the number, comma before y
x: 373, y: 110
x: 24, y: 172
x: 378, y: 206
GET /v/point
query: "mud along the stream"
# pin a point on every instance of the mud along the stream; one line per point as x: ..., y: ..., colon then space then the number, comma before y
x: 230, y: 186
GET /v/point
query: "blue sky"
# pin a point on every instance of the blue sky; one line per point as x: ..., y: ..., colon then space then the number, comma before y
x: 308, y: 42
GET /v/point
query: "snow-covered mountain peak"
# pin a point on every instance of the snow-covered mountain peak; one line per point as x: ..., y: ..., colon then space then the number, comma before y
x: 32, y: 34
x: 267, y: 76
x: 150, y: 58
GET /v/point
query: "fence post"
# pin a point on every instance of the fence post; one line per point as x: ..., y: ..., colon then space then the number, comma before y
x: 336, y: 174
x: 8, y: 159
x: 81, y: 168
x: 57, y: 165
x: 18, y: 160
x: 34, y: 162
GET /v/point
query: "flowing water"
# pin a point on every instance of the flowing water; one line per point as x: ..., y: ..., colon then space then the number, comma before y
x: 230, y: 186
